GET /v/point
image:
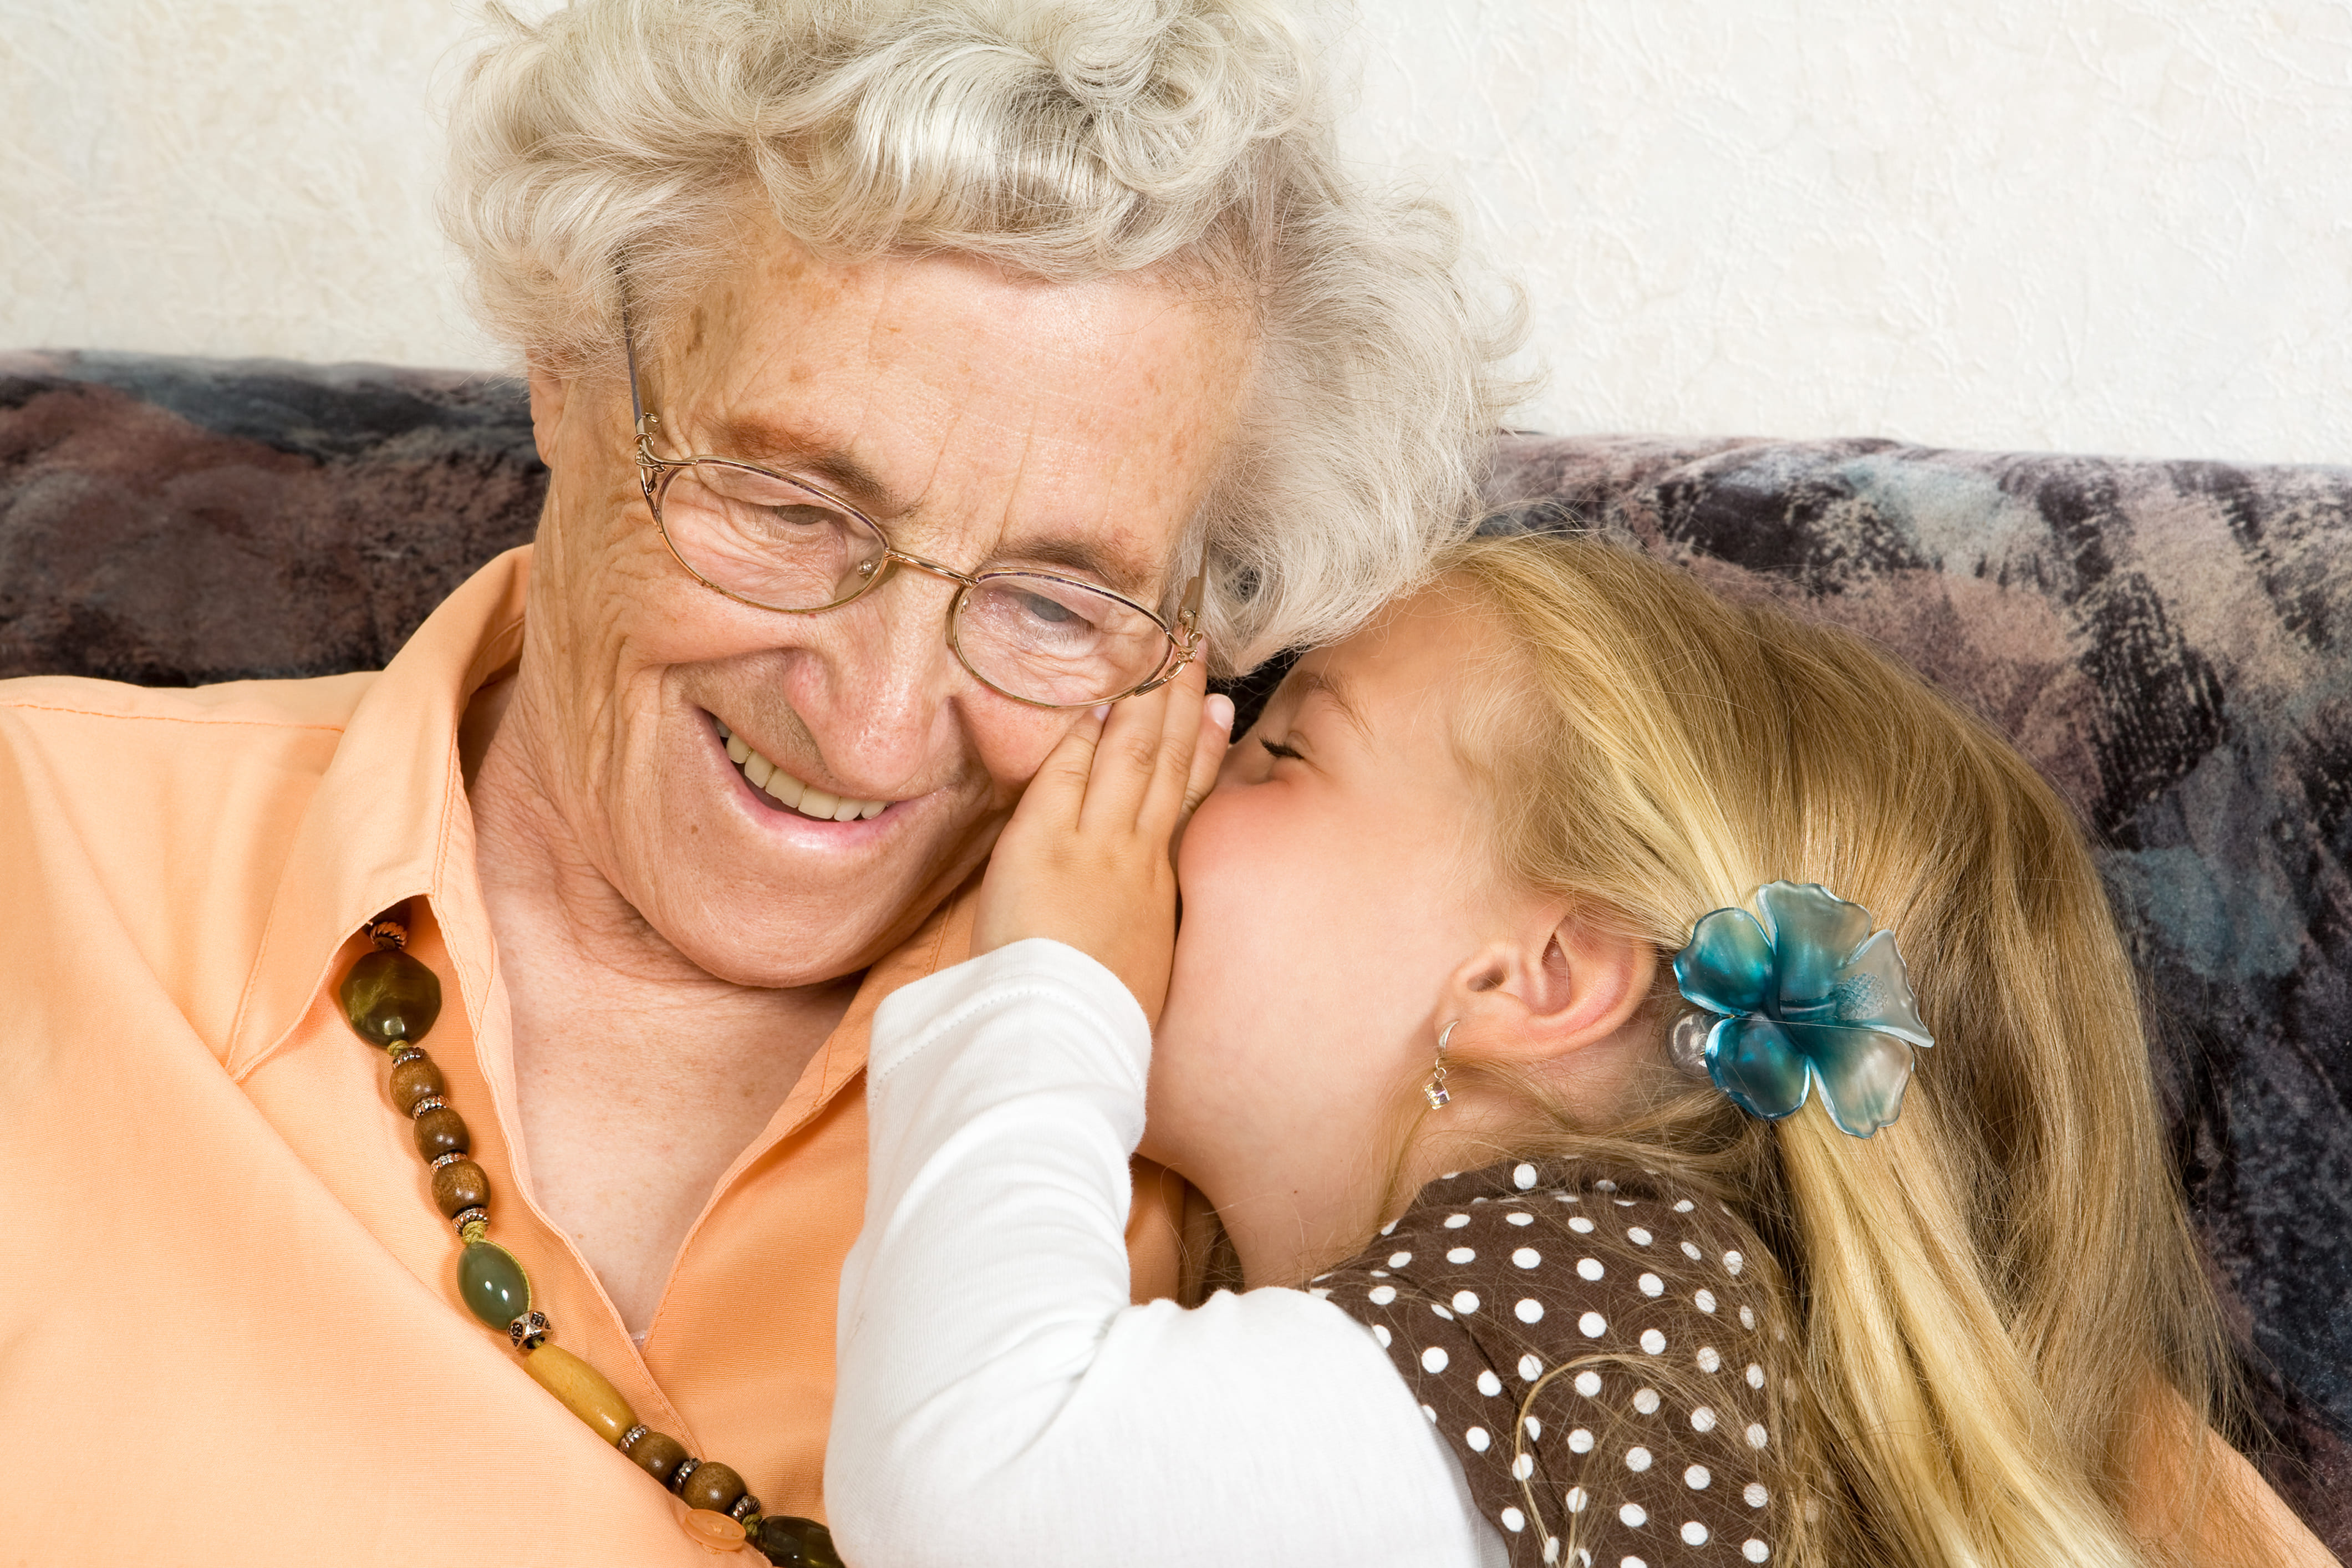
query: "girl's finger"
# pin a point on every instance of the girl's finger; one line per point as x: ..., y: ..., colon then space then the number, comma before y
x: 1056, y: 795
x: 1124, y: 761
x: 1179, y: 744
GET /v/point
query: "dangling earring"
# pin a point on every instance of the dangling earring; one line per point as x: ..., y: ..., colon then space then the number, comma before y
x: 1434, y: 1089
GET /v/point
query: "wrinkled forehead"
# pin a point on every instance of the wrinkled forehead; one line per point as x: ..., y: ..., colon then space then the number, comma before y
x: 1079, y: 424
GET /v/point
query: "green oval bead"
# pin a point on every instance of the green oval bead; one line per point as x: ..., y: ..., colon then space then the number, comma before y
x: 492, y: 1284
x: 389, y: 997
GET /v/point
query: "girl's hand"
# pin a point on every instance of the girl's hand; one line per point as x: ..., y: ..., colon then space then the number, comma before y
x: 1088, y: 858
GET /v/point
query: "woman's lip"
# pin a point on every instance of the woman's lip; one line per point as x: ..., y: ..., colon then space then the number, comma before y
x: 832, y: 830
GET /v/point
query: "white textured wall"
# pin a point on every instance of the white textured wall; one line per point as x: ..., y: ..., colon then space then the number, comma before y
x: 2096, y: 225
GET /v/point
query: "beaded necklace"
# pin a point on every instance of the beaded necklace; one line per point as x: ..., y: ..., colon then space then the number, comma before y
x: 392, y: 1000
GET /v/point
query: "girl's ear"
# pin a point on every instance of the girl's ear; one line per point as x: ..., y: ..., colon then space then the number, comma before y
x: 1558, y: 985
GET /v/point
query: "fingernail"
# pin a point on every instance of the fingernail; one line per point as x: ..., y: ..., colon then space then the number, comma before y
x: 1220, y: 712
x: 1102, y: 709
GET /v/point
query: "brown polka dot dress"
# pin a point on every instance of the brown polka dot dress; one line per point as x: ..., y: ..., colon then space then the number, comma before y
x: 1595, y: 1345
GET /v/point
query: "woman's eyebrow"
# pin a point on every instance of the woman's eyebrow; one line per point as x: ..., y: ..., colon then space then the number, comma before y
x: 1311, y: 682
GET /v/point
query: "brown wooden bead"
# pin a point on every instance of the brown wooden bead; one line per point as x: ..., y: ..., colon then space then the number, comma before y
x: 440, y: 1133
x: 584, y: 1391
x: 413, y: 1079
x: 714, y: 1486
x: 461, y: 1185
x: 658, y: 1454
x: 390, y: 996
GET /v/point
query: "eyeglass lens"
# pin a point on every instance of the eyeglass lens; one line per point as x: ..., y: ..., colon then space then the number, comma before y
x: 765, y: 539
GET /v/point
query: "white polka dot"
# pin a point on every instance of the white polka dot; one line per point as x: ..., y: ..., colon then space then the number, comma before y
x: 1531, y: 1368
x: 1747, y: 1318
x: 1755, y: 1375
x: 1604, y: 1186
x: 1756, y: 1551
x: 1653, y: 1341
x: 1634, y: 1514
x: 1734, y: 1262
x: 1529, y: 1311
x: 1520, y: 1216
x: 1523, y: 1177
x: 1431, y: 1414
x: 1489, y: 1384
x: 1380, y: 1295
x: 1683, y: 1207
x: 1592, y: 1325
x: 1589, y: 1269
x: 1399, y: 1260
x: 1321, y: 1292
x: 1583, y: 1557
x: 1552, y: 1548
x: 1693, y: 1253
x: 1456, y: 1221
x: 1380, y: 1334
x: 1578, y: 1223
x: 1705, y: 1299
x: 1534, y: 1426
x: 1377, y: 1274
x: 1461, y: 1255
x: 1695, y: 1533
x: 1755, y: 1495
x: 1637, y: 1459
x: 1466, y: 1301
x: 1477, y: 1438
x: 1578, y: 1500
x: 1451, y: 1176
x: 1631, y: 1562
x: 1645, y: 1400
x: 1697, y: 1478
x: 1708, y: 1361
x: 1757, y: 1436
x: 1637, y: 1235
x: 1579, y: 1441
x: 1441, y: 1311
x: 1512, y: 1520
x: 1388, y: 1227
x: 1527, y: 1257
x: 1623, y: 1203
x: 1588, y: 1383
x: 1523, y: 1467
x: 1652, y: 1285
x: 1434, y: 1358
x: 1702, y: 1419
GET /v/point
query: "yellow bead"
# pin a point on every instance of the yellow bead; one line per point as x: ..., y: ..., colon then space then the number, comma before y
x: 712, y: 1532
x: 583, y: 1390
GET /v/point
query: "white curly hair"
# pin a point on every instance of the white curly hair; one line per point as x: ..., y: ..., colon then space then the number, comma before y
x: 1063, y: 138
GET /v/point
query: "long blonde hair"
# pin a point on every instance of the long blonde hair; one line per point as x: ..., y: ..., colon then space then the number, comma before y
x: 1989, y: 1291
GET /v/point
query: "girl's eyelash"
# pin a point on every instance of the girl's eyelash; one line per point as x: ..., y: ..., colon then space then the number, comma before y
x: 1276, y: 748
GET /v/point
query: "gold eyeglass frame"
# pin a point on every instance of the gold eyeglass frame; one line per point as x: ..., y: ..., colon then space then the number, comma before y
x: 1183, y: 638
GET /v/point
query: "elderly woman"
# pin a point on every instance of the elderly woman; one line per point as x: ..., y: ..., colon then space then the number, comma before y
x: 913, y: 379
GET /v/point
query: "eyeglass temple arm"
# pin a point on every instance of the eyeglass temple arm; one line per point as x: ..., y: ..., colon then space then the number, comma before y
x: 629, y: 349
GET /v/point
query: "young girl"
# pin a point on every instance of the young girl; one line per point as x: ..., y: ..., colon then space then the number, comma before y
x: 1549, y: 1029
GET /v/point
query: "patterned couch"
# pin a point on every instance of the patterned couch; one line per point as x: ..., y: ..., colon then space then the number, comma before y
x: 2170, y: 641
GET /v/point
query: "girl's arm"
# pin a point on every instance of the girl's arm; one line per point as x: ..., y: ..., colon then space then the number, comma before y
x: 1000, y: 1401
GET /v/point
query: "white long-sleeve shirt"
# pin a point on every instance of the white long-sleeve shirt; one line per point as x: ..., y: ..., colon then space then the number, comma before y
x: 999, y: 1399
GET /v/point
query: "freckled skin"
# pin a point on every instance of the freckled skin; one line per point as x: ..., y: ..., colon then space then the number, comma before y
x: 632, y: 882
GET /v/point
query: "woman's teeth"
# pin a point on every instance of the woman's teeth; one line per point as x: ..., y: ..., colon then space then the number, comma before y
x: 807, y: 799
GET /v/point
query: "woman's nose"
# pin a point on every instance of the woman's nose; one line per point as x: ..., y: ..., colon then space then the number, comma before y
x: 891, y: 674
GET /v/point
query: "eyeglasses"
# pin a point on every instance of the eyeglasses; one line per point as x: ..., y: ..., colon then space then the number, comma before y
x: 782, y: 544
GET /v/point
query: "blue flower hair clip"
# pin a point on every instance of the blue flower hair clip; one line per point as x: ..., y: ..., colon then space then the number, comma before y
x: 1807, y: 995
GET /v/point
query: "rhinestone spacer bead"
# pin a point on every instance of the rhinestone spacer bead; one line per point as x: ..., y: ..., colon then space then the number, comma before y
x: 451, y: 1158
x: 745, y: 1509
x: 430, y: 1102
x: 686, y: 1466
x: 465, y: 1218
x: 530, y: 1330
x: 629, y: 1437
x: 405, y: 1051
x: 388, y: 933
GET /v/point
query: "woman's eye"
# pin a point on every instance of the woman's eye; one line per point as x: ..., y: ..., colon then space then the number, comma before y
x: 1276, y: 747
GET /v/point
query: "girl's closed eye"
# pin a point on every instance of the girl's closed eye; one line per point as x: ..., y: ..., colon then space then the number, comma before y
x: 1276, y: 747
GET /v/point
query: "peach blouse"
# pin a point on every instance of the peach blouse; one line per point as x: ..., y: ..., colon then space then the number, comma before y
x: 228, y: 1323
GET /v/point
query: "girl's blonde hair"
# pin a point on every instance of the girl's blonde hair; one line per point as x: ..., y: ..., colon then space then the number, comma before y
x: 1987, y: 1292
x: 1060, y: 139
